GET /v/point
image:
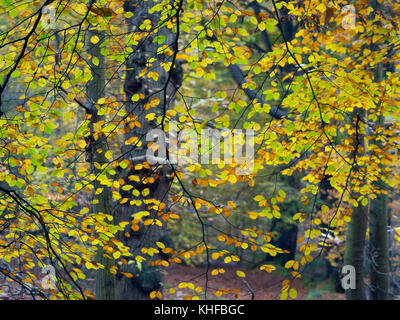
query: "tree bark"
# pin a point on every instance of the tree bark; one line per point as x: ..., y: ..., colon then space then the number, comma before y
x: 96, y: 148
x: 147, y: 276
x: 357, y: 229
x: 378, y: 246
x: 378, y: 230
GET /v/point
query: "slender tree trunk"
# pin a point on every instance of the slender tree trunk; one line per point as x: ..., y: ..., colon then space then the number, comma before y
x: 287, y: 232
x: 357, y: 229
x: 355, y: 247
x: 378, y: 246
x: 96, y: 148
x: 152, y: 182
x: 378, y: 230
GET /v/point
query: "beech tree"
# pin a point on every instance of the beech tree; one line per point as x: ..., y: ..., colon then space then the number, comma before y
x: 105, y: 113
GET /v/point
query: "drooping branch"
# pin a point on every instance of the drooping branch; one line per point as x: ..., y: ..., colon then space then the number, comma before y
x: 22, y: 52
x: 36, y: 214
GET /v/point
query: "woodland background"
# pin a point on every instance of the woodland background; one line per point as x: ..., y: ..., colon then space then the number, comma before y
x: 83, y: 215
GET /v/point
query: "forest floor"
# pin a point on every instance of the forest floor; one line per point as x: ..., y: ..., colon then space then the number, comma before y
x: 265, y: 286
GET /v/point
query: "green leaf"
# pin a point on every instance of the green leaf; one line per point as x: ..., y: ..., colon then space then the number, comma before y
x: 95, y: 61
x: 293, y: 293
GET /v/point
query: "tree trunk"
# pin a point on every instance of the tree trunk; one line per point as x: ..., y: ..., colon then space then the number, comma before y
x: 356, y: 232
x: 378, y: 230
x: 101, y: 203
x: 378, y: 246
x: 152, y: 181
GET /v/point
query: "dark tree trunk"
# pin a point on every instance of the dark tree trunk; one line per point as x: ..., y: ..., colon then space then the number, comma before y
x: 147, y: 276
x: 378, y: 229
x: 96, y: 148
x: 378, y: 247
x: 357, y: 229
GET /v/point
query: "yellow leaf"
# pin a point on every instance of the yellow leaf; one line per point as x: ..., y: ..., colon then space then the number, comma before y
x: 150, y: 116
x: 233, y: 18
x: 84, y: 210
x: 268, y: 267
x: 94, y: 39
x: 182, y: 285
x: 321, y: 7
x: 154, y: 75
x: 160, y: 245
x: 108, y: 154
x: 101, y: 101
x: 232, y: 179
x: 231, y: 205
x: 240, y: 274
x: 116, y: 254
